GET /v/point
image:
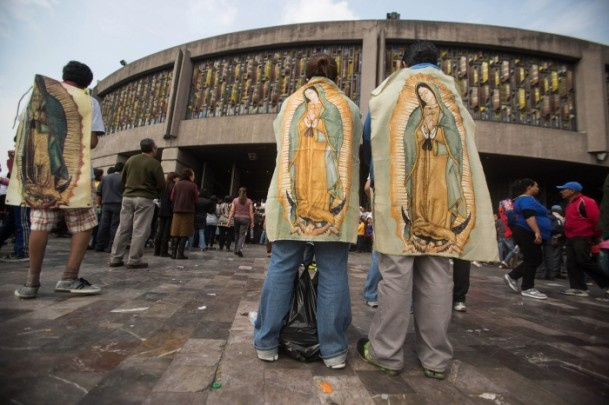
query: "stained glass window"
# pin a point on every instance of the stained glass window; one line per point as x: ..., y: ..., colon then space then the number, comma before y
x: 507, y: 87
x: 138, y: 103
x: 257, y: 82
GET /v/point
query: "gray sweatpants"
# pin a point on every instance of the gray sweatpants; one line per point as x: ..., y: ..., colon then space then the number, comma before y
x: 427, y: 282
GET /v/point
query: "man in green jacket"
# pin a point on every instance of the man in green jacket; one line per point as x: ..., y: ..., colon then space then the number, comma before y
x: 144, y: 181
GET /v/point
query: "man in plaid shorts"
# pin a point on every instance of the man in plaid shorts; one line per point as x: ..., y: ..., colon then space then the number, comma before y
x: 80, y: 221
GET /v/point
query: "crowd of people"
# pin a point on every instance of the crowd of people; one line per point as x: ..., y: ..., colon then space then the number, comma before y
x: 430, y: 219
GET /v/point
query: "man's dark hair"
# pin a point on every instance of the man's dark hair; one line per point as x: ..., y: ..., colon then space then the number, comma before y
x: 99, y: 173
x: 421, y: 52
x: 146, y: 145
x: 119, y: 167
x: 78, y: 73
x: 322, y: 65
x: 520, y: 186
x: 111, y: 170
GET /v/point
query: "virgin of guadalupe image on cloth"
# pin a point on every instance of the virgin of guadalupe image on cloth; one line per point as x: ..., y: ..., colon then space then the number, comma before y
x: 52, y: 164
x: 432, y: 190
x: 316, y: 178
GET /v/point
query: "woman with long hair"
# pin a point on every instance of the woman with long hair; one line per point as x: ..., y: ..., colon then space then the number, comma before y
x: 531, y: 228
x: 184, y: 197
x: 242, y: 210
x: 161, y: 239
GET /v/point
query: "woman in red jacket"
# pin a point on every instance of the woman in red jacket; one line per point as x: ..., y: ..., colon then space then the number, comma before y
x: 184, y: 198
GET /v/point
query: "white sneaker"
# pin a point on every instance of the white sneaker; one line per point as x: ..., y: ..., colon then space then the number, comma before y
x: 77, y: 286
x: 372, y: 304
x: 267, y: 355
x: 460, y: 307
x: 477, y: 264
x: 533, y: 293
x: 252, y: 317
x: 511, y: 283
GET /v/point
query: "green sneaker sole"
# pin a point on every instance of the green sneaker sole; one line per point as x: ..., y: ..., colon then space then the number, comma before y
x: 362, y: 351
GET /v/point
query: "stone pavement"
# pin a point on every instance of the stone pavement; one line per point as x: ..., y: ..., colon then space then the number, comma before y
x: 164, y: 335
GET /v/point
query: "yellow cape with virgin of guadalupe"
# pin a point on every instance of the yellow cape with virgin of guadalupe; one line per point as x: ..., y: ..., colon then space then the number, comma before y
x: 314, y: 192
x: 52, y: 166
x: 430, y: 192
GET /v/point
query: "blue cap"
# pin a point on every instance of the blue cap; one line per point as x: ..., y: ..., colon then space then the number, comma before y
x: 556, y: 208
x: 573, y: 185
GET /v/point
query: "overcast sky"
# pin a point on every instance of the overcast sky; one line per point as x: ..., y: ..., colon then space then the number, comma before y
x: 40, y: 36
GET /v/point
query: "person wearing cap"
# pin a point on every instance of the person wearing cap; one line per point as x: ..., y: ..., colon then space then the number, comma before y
x: 581, y: 219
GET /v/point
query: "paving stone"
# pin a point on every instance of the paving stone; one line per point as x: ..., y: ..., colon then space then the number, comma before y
x: 181, y: 326
x: 278, y: 381
x: 179, y: 378
x: 200, y: 352
x: 164, y: 398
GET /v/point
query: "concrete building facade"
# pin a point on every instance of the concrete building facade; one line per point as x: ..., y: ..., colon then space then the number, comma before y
x: 540, y: 101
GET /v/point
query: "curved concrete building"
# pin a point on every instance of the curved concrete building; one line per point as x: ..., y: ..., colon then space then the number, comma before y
x: 540, y: 101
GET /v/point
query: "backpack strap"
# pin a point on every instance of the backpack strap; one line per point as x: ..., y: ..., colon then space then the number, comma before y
x: 581, y: 209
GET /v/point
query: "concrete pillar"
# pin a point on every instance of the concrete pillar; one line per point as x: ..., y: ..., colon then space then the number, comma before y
x: 180, y: 92
x: 169, y: 160
x: 370, y: 55
x: 175, y: 159
x: 592, y: 100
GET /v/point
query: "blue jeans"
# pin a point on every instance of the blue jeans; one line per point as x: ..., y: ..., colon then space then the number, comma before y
x: 372, y: 281
x: 333, y: 300
x: 202, y: 243
x: 308, y: 255
x: 110, y: 218
x: 508, y: 244
x: 22, y: 230
x: 191, y: 239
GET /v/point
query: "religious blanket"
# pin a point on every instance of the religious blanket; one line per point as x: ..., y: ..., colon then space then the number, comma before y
x: 430, y: 193
x: 52, y: 154
x: 314, y: 192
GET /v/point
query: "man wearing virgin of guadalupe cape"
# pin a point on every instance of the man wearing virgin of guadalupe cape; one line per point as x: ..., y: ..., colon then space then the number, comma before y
x: 52, y: 163
x: 52, y: 172
x: 431, y: 203
x: 313, y: 198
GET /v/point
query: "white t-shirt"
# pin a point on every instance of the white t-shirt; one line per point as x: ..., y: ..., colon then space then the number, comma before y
x: 97, y: 123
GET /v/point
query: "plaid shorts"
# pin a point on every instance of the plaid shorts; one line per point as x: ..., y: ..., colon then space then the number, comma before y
x: 77, y: 219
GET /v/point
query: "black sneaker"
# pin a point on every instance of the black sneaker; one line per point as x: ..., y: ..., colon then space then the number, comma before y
x: 12, y: 258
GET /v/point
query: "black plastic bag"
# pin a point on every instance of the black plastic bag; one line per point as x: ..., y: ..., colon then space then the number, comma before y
x: 298, y: 337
